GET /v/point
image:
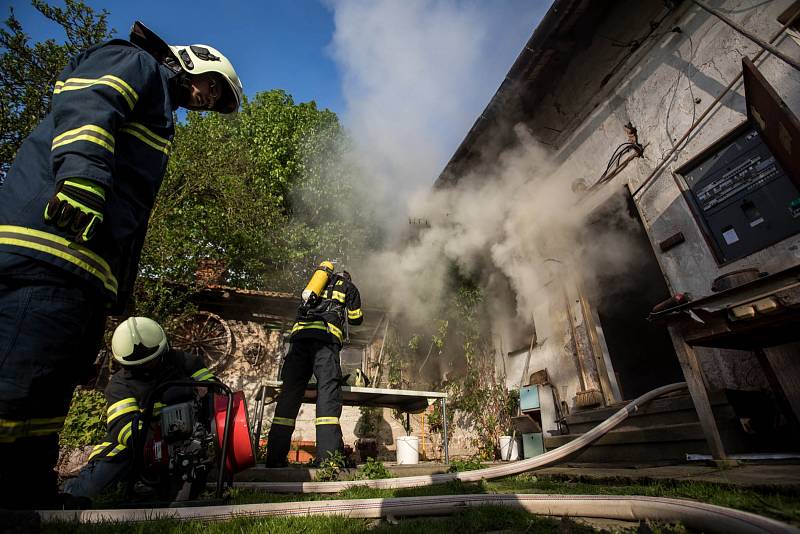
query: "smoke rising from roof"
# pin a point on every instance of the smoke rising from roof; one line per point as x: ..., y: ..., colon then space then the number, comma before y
x: 416, y: 74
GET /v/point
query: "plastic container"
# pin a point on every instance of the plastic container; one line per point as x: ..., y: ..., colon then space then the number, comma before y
x: 505, y: 441
x: 407, y: 450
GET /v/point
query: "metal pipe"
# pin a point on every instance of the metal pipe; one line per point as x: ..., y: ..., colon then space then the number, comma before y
x: 750, y: 35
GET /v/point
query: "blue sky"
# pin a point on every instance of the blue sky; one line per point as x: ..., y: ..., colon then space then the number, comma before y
x: 272, y: 44
x: 407, y: 77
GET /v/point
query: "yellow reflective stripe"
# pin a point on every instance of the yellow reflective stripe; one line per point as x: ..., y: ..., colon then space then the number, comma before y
x: 125, y: 433
x: 338, y: 295
x: 326, y: 421
x: 157, y: 406
x: 87, y: 132
x: 98, y: 449
x: 143, y: 134
x: 11, y: 430
x: 318, y: 325
x: 354, y: 314
x: 118, y: 84
x: 61, y: 248
x: 202, y: 374
x: 117, y: 449
x: 120, y: 408
x: 335, y: 331
x: 285, y: 421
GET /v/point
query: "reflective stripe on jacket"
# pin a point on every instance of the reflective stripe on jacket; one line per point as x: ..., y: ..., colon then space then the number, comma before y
x: 340, y: 302
x: 111, y: 122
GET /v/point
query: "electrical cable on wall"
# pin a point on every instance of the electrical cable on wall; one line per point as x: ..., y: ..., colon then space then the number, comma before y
x: 679, y: 143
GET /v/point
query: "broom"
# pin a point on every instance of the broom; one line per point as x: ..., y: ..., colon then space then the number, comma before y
x: 585, y: 398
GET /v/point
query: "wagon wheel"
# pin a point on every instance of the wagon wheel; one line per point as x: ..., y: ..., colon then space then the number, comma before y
x: 207, y: 335
x: 254, y: 354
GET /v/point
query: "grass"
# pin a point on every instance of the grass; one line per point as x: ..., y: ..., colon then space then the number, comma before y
x: 781, y: 504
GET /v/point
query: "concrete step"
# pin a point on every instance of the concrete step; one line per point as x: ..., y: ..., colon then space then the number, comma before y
x: 655, y: 444
x: 660, y: 412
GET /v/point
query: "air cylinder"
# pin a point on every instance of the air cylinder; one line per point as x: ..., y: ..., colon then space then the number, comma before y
x: 318, y: 281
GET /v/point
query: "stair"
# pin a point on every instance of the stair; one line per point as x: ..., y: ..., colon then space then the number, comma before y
x: 662, y: 431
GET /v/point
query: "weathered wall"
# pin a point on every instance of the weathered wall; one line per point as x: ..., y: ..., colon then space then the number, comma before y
x: 257, y: 355
x: 661, y: 91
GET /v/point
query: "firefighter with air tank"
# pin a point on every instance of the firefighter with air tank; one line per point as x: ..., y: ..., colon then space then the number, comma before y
x: 330, y: 302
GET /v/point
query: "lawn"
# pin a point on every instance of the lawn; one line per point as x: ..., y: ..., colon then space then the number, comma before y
x: 783, y: 505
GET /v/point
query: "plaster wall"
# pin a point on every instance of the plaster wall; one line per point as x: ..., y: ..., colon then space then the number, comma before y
x: 661, y: 92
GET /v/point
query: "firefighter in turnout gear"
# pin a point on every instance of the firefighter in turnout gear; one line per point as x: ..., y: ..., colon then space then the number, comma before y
x: 316, y: 340
x: 74, y: 209
x: 140, y: 346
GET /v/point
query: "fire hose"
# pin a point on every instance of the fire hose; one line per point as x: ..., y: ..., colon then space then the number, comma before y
x: 706, y: 517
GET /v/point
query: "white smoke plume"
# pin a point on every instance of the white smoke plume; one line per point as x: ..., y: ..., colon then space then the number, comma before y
x: 416, y: 74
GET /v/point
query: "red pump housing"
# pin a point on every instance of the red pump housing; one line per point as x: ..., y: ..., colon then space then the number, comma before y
x: 240, y: 449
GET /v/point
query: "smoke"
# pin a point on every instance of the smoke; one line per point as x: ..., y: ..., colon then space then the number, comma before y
x: 416, y: 74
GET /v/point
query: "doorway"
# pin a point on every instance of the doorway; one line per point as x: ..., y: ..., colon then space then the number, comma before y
x: 623, y: 293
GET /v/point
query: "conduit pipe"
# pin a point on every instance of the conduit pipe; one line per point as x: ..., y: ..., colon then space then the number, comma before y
x: 699, y: 516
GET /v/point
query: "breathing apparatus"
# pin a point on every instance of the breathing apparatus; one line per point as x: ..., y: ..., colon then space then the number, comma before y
x: 319, y: 280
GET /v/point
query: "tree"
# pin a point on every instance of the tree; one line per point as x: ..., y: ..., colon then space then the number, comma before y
x: 28, y: 72
x: 268, y: 191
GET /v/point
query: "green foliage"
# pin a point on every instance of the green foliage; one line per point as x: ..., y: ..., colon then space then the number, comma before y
x: 86, y: 420
x: 269, y: 191
x: 367, y: 426
x: 373, y: 470
x: 28, y: 71
x: 472, y: 463
x: 330, y: 467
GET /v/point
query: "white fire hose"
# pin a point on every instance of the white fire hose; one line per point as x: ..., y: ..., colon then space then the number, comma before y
x: 705, y: 517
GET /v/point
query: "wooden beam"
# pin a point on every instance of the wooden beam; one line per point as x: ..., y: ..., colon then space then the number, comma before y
x: 697, y: 388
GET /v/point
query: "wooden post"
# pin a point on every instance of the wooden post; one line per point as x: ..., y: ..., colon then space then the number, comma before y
x: 697, y: 388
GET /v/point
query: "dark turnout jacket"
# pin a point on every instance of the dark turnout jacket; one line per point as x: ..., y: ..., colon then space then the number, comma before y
x: 325, y: 319
x: 111, y: 122
x: 127, y: 393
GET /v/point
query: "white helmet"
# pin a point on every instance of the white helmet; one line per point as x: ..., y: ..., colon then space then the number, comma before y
x: 138, y: 340
x: 199, y: 59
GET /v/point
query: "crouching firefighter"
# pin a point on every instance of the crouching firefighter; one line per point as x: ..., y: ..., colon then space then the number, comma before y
x: 141, y: 347
x: 330, y: 302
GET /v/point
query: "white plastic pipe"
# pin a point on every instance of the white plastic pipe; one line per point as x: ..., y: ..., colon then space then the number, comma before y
x: 699, y: 516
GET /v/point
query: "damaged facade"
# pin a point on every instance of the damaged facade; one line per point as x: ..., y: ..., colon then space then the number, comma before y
x: 713, y: 217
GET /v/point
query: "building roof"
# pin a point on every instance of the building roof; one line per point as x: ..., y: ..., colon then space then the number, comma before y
x: 579, y: 44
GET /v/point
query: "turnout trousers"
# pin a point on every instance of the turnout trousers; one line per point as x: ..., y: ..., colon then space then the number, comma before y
x: 307, y: 356
x: 50, y: 334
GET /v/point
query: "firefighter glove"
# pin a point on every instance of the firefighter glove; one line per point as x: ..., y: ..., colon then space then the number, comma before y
x: 77, y: 206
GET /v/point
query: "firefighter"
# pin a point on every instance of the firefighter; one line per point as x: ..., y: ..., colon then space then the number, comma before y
x: 141, y: 348
x: 316, y: 340
x: 73, y: 216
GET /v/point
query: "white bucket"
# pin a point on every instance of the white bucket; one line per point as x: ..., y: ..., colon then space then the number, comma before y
x: 407, y: 450
x: 505, y: 441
